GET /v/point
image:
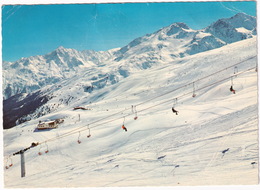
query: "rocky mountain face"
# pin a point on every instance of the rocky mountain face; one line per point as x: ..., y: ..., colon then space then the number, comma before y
x: 35, y: 77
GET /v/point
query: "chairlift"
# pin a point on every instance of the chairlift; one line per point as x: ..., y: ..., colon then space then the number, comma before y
x: 235, y: 70
x: 174, y: 111
x: 47, y: 148
x: 231, y: 88
x: 79, y: 141
x: 123, y: 126
x: 40, y: 153
x: 174, y: 104
x: 193, y: 94
x: 135, y: 111
x: 89, y: 135
x: 8, y: 165
x: 46, y: 151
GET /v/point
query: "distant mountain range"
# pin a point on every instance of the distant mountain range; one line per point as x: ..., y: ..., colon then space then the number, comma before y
x: 23, y: 79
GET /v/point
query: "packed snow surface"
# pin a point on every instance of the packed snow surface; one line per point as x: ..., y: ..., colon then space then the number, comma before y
x: 212, y: 141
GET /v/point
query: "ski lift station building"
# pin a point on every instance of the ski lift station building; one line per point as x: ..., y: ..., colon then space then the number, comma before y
x: 49, y: 124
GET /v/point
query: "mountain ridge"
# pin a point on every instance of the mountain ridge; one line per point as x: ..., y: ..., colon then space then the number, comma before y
x: 176, y: 40
x: 98, y: 70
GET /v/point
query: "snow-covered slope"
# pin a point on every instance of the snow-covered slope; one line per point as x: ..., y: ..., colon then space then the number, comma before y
x: 212, y: 141
x: 169, y: 43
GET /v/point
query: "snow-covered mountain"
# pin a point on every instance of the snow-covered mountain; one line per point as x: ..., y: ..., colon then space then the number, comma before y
x: 236, y: 28
x: 30, y: 74
x: 175, y: 41
x: 178, y: 40
x: 212, y: 141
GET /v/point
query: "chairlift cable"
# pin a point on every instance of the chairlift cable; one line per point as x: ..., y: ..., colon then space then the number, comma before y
x: 120, y: 112
x: 148, y: 108
x: 72, y: 132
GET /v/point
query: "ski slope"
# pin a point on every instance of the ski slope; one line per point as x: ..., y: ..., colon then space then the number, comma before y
x: 212, y: 141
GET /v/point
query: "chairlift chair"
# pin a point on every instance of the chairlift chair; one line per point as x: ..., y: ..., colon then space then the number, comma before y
x: 89, y: 135
x: 9, y: 165
x: 79, y: 141
x: 174, y: 111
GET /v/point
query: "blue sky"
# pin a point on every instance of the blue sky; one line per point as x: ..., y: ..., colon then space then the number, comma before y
x: 29, y: 30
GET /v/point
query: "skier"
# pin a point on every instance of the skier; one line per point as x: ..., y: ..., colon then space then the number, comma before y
x: 174, y: 111
x: 232, y: 90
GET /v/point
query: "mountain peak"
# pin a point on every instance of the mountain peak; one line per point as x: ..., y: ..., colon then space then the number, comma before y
x: 60, y: 49
x: 177, y: 27
x: 242, y: 20
x: 236, y: 21
x: 241, y: 15
x: 180, y: 25
x: 220, y: 24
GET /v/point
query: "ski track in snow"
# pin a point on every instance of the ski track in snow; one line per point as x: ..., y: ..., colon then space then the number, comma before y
x: 159, y: 148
